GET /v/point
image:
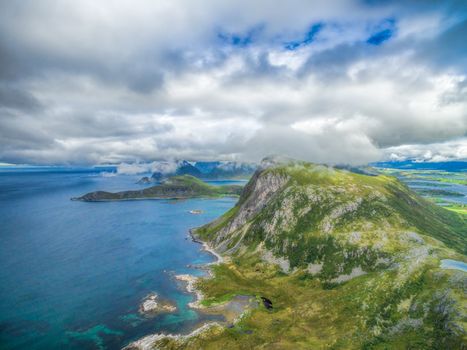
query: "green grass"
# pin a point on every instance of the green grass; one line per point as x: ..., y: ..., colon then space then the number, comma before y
x: 306, y: 315
x: 457, y: 208
x: 430, y: 219
x: 342, y: 221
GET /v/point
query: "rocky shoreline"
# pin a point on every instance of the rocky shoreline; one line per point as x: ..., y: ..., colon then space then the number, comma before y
x: 147, y: 342
x: 207, y: 248
x: 190, y: 281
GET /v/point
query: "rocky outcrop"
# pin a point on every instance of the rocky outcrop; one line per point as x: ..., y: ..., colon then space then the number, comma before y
x: 152, y: 305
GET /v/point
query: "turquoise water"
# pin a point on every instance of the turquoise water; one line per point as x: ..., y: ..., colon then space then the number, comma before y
x: 453, y: 264
x: 72, y: 274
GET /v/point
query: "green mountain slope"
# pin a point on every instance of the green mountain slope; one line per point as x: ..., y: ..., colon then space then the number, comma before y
x: 288, y: 208
x: 348, y: 261
x: 176, y: 187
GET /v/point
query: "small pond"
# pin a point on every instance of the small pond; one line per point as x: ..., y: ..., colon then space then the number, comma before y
x: 453, y: 264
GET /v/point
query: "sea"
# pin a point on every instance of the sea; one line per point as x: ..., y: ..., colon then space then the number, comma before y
x: 73, y: 274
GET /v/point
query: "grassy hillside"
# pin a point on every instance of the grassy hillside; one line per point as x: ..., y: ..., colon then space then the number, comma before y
x: 176, y: 187
x: 317, y: 199
x: 348, y: 261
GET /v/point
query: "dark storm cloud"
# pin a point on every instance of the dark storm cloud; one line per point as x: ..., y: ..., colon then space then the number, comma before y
x: 14, y: 98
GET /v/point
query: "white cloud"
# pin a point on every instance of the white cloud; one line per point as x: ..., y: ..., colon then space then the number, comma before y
x: 438, y: 152
x: 119, y: 82
x: 164, y: 167
x: 133, y: 168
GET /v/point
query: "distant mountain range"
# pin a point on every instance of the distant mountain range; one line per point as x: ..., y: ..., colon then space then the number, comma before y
x: 203, y: 170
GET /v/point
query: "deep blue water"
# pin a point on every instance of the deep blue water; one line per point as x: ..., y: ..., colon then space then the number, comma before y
x: 72, y: 274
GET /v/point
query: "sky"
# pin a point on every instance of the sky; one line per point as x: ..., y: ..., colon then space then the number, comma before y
x: 96, y: 82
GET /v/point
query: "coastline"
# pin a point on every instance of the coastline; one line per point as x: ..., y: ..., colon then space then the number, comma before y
x: 206, y: 248
x: 147, y: 342
x: 191, y: 280
x: 78, y: 199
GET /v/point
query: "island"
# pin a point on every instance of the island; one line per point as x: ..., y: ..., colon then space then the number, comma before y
x: 176, y: 187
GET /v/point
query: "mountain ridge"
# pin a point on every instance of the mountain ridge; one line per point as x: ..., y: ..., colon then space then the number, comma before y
x: 389, y: 198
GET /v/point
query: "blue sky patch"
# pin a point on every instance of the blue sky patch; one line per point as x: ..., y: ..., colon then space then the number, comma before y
x: 238, y: 39
x: 308, y: 39
x: 380, y: 37
x: 384, y: 32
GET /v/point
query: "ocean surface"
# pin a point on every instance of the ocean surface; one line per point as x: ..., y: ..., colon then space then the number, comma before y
x: 433, y: 185
x: 73, y: 274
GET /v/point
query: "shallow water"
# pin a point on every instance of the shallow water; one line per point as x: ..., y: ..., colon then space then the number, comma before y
x: 431, y: 185
x: 72, y: 274
x: 453, y: 264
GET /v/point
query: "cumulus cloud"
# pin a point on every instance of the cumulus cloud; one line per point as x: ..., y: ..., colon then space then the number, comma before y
x: 440, y: 152
x: 133, y: 168
x: 164, y: 167
x: 119, y: 82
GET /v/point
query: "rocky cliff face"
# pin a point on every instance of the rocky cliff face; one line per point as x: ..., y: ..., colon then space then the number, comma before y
x: 255, y: 197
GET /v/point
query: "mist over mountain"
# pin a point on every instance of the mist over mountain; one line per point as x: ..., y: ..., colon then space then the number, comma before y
x: 201, y: 170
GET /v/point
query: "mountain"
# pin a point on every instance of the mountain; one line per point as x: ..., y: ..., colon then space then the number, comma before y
x: 207, y: 167
x: 340, y: 260
x: 176, y: 187
x: 202, y: 170
x: 226, y: 170
x: 185, y: 168
x: 179, y: 168
x: 331, y: 201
